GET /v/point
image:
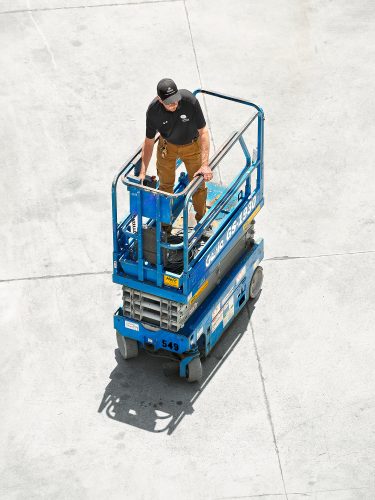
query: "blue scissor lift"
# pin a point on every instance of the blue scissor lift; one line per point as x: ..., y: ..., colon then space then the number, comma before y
x: 181, y: 292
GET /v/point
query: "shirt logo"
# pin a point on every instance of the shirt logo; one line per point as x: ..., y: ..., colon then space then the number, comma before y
x: 184, y: 118
x: 165, y: 122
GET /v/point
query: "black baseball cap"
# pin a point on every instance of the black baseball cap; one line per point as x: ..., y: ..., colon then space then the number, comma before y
x: 168, y: 91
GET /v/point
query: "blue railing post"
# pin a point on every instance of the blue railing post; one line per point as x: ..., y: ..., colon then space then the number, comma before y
x: 159, y: 267
x: 260, y: 170
x: 114, y: 230
x: 248, y: 164
x: 185, y: 221
x: 140, y: 236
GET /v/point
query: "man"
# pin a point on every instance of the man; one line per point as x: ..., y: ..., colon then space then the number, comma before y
x: 177, y: 115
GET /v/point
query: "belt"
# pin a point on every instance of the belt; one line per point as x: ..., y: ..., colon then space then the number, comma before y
x: 180, y: 145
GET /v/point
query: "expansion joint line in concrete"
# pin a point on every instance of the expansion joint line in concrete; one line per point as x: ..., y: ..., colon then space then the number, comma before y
x: 114, y: 4
x: 301, y: 493
x: 287, y: 257
x: 53, y: 276
x: 267, y: 403
x: 200, y: 83
x: 42, y: 35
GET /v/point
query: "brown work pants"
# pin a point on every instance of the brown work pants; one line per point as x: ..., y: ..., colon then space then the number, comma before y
x: 190, y: 154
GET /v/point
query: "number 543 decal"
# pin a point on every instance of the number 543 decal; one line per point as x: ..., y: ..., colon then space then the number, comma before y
x: 171, y: 345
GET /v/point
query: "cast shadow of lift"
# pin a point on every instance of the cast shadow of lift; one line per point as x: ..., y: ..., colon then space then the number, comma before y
x: 140, y: 394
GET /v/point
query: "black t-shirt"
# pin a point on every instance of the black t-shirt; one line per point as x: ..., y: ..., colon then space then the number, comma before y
x: 179, y: 127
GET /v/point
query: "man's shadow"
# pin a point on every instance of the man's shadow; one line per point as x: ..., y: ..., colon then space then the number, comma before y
x: 140, y: 394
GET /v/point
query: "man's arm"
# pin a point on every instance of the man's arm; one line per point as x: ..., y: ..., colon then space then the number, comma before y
x: 147, y: 149
x: 205, y: 145
x: 205, y: 170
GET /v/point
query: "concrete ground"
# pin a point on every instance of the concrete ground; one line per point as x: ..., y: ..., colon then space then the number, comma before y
x: 286, y: 405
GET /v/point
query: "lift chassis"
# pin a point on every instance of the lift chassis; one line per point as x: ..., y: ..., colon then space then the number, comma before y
x: 181, y: 310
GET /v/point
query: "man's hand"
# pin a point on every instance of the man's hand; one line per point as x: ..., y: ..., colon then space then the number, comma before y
x: 205, y: 171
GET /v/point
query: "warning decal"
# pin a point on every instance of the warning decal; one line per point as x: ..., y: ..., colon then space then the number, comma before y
x: 228, y: 311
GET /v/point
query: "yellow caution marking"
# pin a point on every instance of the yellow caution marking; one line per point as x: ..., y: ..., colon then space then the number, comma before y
x: 248, y: 222
x: 199, y: 291
x: 168, y: 280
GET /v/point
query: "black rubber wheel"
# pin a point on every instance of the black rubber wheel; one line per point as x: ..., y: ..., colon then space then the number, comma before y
x: 194, y: 370
x: 128, y: 347
x: 256, y: 282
